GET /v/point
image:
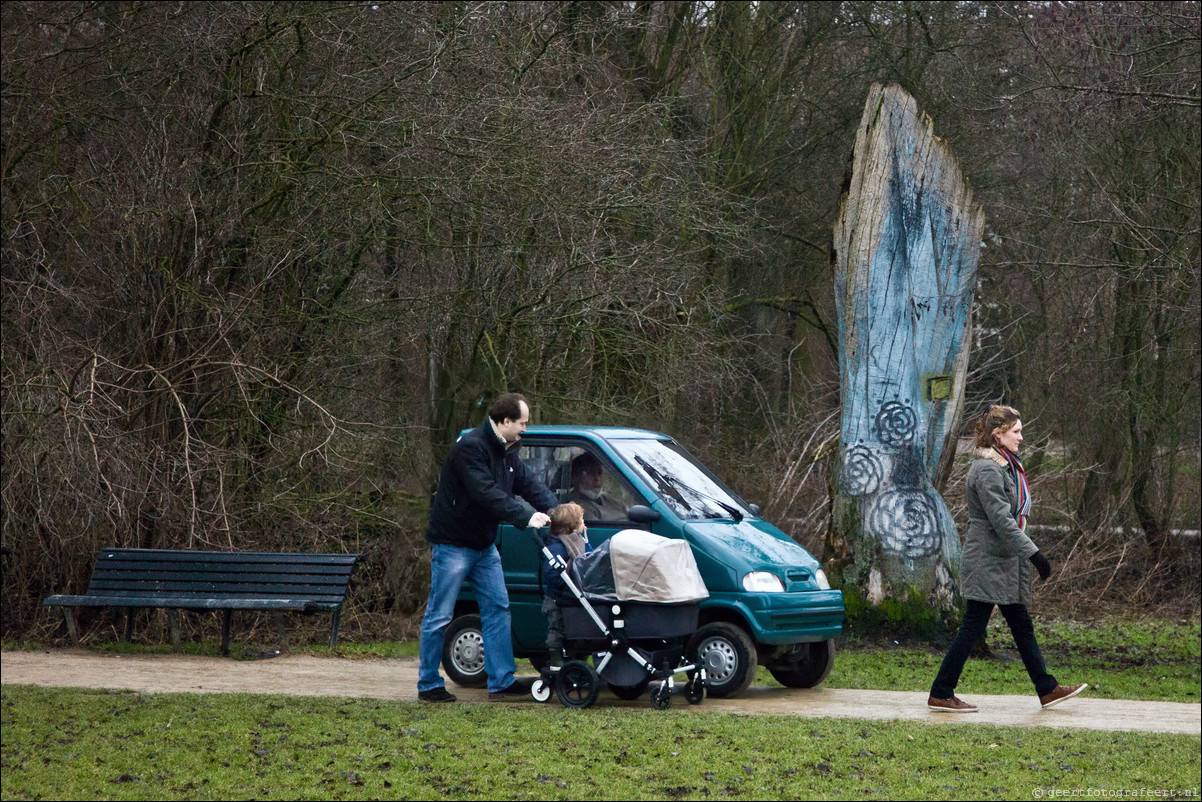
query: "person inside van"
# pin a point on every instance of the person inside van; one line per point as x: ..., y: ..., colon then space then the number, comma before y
x: 587, y: 491
x: 569, y: 539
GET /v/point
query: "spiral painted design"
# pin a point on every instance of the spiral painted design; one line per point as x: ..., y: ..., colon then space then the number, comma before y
x: 895, y: 424
x: 906, y: 522
x: 861, y: 474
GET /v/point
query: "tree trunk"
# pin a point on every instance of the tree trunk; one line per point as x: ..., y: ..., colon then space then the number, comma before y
x: 906, y: 242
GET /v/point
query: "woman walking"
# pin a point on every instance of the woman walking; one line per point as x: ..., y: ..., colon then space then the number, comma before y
x: 998, y: 562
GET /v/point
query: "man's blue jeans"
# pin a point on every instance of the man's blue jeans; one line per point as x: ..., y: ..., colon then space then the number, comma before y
x: 450, y: 566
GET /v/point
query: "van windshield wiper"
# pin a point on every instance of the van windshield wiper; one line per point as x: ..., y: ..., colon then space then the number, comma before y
x: 666, y: 486
x: 675, y: 485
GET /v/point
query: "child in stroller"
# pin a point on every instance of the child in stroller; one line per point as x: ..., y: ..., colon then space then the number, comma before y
x: 569, y: 539
x: 634, y: 603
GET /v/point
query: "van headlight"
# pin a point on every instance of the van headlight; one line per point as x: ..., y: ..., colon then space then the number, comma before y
x: 763, y: 582
x: 820, y: 578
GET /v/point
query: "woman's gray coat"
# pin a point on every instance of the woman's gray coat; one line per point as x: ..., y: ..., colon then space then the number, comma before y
x: 995, y: 566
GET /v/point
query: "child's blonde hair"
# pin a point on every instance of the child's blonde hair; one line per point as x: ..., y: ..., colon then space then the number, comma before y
x: 566, y: 518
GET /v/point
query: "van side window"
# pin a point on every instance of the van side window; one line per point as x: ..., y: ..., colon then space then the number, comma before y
x: 575, y: 474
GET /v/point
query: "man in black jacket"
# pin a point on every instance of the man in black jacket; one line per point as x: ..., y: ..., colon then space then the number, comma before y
x: 483, y: 484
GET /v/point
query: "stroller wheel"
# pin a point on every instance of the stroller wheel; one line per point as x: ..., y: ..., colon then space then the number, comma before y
x: 661, y: 697
x: 694, y: 692
x: 578, y: 684
x: 541, y: 690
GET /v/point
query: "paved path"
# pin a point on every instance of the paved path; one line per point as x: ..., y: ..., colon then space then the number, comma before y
x: 305, y: 675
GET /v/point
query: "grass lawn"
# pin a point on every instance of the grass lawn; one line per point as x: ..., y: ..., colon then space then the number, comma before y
x: 84, y: 744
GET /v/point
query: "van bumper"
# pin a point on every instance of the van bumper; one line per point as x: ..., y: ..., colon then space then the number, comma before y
x: 781, y: 618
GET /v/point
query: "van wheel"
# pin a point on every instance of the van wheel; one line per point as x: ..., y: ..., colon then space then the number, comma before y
x: 808, y: 671
x: 463, y: 652
x: 728, y: 655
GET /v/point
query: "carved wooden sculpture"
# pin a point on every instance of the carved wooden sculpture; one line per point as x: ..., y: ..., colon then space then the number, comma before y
x: 906, y: 242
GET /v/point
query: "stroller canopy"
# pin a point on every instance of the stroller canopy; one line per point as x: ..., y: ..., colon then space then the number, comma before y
x: 634, y: 565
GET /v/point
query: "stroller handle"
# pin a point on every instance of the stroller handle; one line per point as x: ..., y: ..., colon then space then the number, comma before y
x: 537, y: 534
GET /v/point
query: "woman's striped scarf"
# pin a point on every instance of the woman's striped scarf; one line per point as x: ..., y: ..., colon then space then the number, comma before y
x: 1020, y: 481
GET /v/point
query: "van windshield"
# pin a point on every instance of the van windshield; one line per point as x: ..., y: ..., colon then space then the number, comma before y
x: 684, y: 483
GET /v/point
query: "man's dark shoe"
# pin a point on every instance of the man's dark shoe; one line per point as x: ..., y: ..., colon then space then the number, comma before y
x: 1060, y: 694
x: 516, y: 690
x: 436, y: 695
x: 953, y: 705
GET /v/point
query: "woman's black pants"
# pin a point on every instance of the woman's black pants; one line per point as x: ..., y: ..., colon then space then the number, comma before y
x: 976, y: 617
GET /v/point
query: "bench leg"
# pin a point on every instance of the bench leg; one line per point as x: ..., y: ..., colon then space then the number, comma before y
x: 173, y: 625
x: 129, y: 623
x: 225, y: 632
x: 278, y: 615
x: 72, y: 626
x: 334, y: 629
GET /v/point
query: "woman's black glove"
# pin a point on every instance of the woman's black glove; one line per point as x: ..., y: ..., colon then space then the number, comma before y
x: 1041, y: 565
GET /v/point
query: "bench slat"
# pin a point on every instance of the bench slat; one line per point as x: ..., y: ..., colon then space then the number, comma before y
x: 184, y: 602
x: 257, y: 575
x: 128, y: 562
x: 322, y: 573
x: 233, y: 589
x: 149, y: 590
x: 240, y: 557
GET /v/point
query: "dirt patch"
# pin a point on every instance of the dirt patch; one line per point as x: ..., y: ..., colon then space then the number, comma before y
x: 396, y: 679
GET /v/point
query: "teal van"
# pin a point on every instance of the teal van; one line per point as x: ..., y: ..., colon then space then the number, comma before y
x: 770, y: 603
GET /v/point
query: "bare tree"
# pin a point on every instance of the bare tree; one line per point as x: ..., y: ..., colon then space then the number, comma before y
x: 1105, y: 239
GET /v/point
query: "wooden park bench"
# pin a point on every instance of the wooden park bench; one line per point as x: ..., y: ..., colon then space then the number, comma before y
x: 213, y: 580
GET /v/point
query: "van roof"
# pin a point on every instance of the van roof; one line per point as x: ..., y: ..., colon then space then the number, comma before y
x: 602, y: 432
x: 598, y: 432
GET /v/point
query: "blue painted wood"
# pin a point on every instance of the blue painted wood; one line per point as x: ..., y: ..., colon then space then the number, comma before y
x: 907, y: 243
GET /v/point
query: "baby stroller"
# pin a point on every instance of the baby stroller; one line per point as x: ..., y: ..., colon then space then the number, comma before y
x: 638, y: 598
